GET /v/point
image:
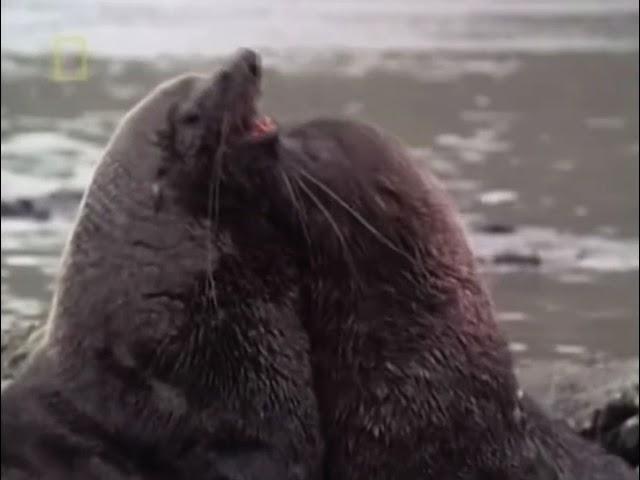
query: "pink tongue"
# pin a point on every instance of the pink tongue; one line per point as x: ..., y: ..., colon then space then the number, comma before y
x: 262, y: 125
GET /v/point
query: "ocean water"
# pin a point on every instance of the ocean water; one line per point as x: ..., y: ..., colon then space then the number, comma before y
x: 151, y: 27
x: 528, y: 110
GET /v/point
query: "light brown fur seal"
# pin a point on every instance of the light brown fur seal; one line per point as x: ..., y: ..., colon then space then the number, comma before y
x: 173, y: 349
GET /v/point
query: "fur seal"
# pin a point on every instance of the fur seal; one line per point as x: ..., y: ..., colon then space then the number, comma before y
x: 173, y: 347
x: 413, y: 377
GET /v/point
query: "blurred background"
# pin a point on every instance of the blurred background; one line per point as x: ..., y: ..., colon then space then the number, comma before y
x: 528, y: 110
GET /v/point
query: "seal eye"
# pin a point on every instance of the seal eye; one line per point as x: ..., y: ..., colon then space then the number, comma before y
x: 191, y: 118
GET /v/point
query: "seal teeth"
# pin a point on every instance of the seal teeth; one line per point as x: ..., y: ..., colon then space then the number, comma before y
x: 262, y: 125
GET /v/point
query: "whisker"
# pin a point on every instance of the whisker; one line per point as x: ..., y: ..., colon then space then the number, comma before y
x: 214, y: 204
x: 333, y: 223
x: 355, y: 214
x: 298, y: 206
x: 217, y: 164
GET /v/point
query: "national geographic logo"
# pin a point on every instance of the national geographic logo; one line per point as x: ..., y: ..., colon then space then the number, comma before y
x: 70, y: 62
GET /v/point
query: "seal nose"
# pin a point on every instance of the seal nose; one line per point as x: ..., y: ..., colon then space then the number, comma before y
x: 249, y: 60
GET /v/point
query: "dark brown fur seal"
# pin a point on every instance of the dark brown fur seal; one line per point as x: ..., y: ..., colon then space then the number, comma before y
x: 173, y: 347
x: 413, y: 377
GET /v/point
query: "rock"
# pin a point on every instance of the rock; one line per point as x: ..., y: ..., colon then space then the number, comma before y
x: 616, y: 425
x: 495, y: 228
x: 625, y: 441
x: 520, y: 259
x: 17, y: 345
x: 600, y: 401
x: 24, y: 208
x: 61, y: 202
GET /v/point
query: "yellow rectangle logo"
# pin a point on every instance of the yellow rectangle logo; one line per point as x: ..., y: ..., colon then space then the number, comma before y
x: 70, y: 62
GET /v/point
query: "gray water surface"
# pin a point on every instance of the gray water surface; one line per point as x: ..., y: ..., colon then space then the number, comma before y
x: 527, y: 110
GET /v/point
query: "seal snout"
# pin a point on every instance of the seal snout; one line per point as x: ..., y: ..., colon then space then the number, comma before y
x: 247, y: 61
x: 241, y: 84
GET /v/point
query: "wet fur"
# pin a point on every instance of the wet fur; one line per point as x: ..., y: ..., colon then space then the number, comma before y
x: 173, y: 348
x: 413, y: 377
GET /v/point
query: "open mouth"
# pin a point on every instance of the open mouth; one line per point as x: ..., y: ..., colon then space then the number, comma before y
x: 254, y: 125
x: 262, y: 125
x: 251, y: 124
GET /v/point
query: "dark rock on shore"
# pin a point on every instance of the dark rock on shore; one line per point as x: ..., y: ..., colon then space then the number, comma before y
x: 616, y: 425
x: 17, y: 344
x: 518, y: 259
x: 599, y: 400
x: 24, y: 208
x: 63, y: 202
x: 495, y: 228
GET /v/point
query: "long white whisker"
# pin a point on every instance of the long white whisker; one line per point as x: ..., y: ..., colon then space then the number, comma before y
x: 333, y: 223
x: 214, y: 204
x: 218, y: 166
x: 298, y: 206
x: 355, y: 214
